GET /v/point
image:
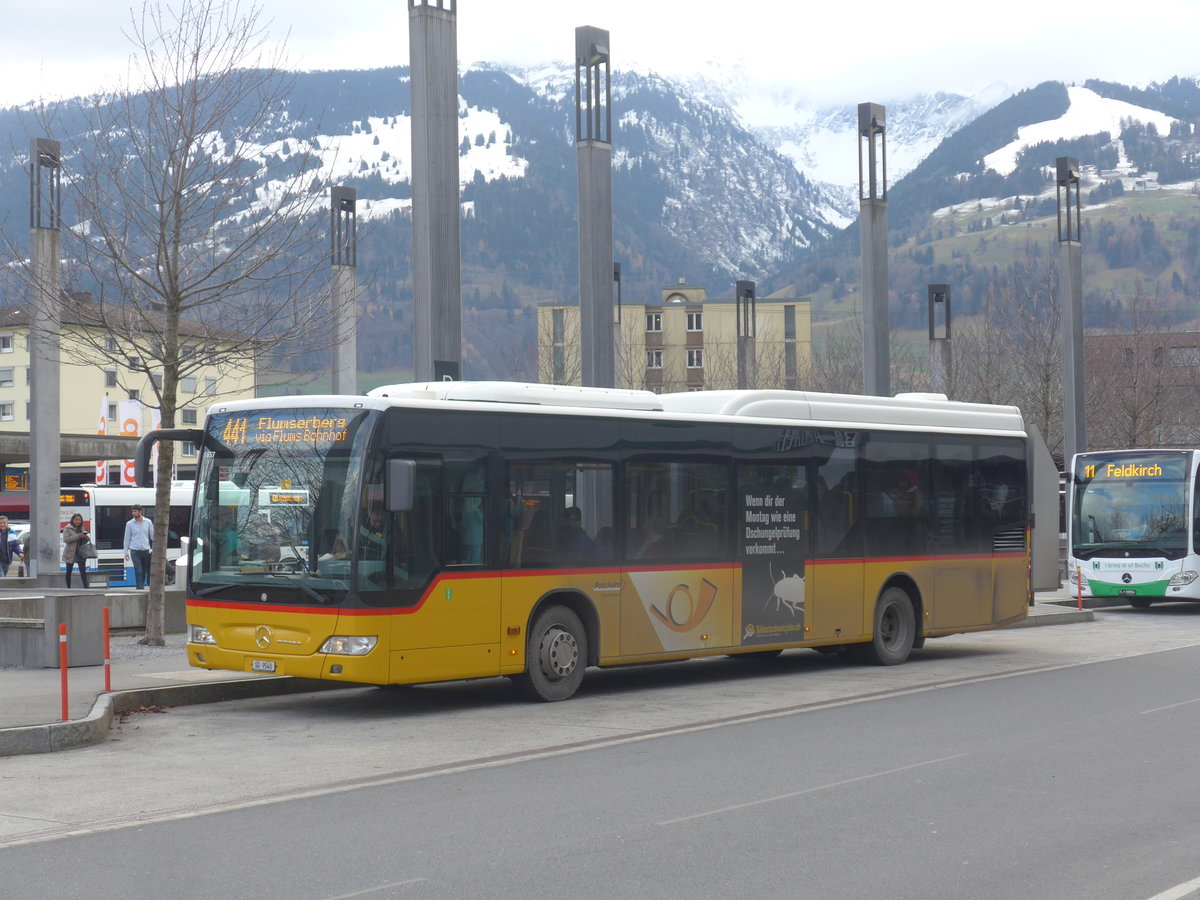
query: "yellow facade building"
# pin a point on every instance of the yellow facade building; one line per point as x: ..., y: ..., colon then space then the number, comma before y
x: 687, y: 341
x: 91, y: 382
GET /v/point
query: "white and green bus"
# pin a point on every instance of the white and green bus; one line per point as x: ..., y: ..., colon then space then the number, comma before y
x: 1135, y: 525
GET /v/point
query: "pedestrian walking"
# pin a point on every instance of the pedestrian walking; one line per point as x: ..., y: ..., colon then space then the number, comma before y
x: 75, y: 537
x: 10, y: 547
x: 138, y: 534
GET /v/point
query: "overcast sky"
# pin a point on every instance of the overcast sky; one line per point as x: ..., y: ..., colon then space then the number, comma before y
x: 825, y: 53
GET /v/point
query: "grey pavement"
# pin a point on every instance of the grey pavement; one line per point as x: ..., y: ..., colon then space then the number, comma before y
x: 143, y: 677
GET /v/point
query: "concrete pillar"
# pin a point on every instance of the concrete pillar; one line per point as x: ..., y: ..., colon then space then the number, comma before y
x: 593, y: 136
x: 872, y: 221
x: 45, y: 452
x: 437, y: 279
x: 939, y: 338
x: 747, y: 334
x: 343, y: 236
x: 1070, y: 300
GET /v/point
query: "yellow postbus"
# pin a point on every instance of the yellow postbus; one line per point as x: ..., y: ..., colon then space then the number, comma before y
x: 454, y: 530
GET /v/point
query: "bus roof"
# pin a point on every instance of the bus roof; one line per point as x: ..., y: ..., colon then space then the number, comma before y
x: 905, y: 411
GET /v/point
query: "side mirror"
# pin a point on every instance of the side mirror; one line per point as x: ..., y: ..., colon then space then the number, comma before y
x: 400, y: 478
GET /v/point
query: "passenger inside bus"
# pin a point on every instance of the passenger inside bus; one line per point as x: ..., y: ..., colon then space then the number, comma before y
x: 226, y: 539
x: 575, y: 544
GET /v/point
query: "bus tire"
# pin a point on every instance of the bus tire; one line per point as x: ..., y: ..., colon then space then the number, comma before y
x: 1139, y: 602
x: 555, y: 656
x: 895, y: 630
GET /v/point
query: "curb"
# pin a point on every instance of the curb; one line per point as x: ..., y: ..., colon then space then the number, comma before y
x: 95, y: 726
x: 1066, y: 617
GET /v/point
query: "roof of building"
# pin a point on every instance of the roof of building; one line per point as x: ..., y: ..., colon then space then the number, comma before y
x: 80, y: 308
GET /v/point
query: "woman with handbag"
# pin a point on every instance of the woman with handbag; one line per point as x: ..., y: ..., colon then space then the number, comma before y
x: 77, y: 548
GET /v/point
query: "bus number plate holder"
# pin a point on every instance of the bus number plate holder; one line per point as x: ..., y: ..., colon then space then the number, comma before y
x: 262, y: 665
x: 1126, y: 592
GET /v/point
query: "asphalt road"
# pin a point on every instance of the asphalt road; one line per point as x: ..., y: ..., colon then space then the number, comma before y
x: 1045, y: 762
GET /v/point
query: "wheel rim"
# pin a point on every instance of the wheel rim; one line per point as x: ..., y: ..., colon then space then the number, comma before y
x: 559, y: 653
x: 891, y: 628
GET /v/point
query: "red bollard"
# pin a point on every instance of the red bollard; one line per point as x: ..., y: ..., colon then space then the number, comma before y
x: 62, y: 665
x: 107, y: 656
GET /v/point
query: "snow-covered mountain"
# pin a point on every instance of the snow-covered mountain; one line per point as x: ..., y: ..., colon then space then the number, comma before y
x: 1087, y: 113
x: 822, y: 142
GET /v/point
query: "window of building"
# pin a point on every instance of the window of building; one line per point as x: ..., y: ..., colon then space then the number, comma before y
x: 28, y: 375
x: 187, y: 416
x: 695, y: 358
x: 110, y: 378
x: 135, y: 394
x: 6, y: 343
x: 6, y: 377
x: 1158, y: 356
x: 789, y: 322
x: 1185, y: 356
x: 110, y: 344
x: 187, y: 384
x: 135, y: 362
x: 28, y: 413
x: 695, y: 321
x: 187, y: 448
x: 654, y: 321
x: 653, y: 359
x: 1129, y: 358
x: 112, y: 412
x: 210, y: 386
x: 7, y: 412
x: 156, y: 379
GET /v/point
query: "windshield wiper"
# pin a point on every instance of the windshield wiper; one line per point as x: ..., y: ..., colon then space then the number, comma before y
x: 314, y: 594
x: 204, y: 592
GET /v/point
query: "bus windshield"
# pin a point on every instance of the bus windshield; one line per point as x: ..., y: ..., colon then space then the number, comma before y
x: 276, y: 501
x: 1133, y: 503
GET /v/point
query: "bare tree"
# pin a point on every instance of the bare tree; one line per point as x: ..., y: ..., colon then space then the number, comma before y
x: 1012, y: 353
x: 188, y: 216
x: 1128, y: 393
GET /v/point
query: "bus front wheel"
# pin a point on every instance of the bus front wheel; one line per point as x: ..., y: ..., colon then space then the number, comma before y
x: 555, y: 656
x: 895, y: 630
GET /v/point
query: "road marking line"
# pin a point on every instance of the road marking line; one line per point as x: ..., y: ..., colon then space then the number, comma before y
x: 1170, y: 706
x: 1186, y: 889
x: 382, y: 887
x: 811, y: 790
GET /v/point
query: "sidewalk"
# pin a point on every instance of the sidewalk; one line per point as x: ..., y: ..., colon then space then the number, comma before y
x: 141, y: 676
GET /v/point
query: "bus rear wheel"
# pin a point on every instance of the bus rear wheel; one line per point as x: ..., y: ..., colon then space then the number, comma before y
x: 895, y: 630
x: 555, y: 656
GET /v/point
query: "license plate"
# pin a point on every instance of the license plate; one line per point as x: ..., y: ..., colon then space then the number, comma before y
x: 1126, y: 592
x: 262, y: 665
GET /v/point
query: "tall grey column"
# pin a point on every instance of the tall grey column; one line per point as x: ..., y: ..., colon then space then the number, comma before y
x: 593, y: 143
x: 939, y: 338
x: 872, y: 222
x: 747, y: 351
x: 437, y: 284
x: 45, y: 453
x: 343, y: 258
x: 1070, y: 301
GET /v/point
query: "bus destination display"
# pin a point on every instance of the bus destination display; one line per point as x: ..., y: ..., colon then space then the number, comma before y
x: 321, y: 428
x: 1125, y: 469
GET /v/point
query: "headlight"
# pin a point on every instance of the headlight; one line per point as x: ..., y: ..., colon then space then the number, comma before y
x: 1183, y: 578
x: 349, y: 645
x: 197, y: 634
